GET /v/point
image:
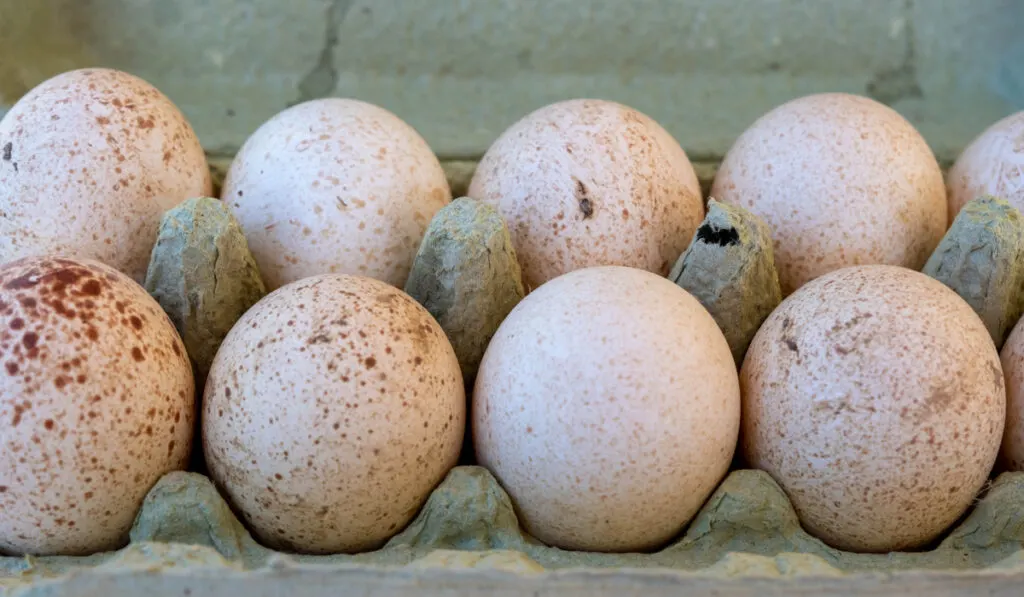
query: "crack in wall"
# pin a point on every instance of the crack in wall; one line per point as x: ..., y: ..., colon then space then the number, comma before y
x: 321, y: 80
x: 895, y: 84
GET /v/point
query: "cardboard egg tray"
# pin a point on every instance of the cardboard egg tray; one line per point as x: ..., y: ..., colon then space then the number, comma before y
x: 746, y: 540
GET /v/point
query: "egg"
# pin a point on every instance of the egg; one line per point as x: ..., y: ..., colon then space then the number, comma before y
x: 332, y: 410
x: 587, y: 183
x: 607, y: 405
x: 841, y: 180
x: 97, y: 404
x: 992, y: 164
x: 335, y: 186
x: 874, y: 396
x: 89, y: 161
x: 1012, y: 358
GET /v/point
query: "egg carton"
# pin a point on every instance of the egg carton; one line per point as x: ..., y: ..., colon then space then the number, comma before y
x: 466, y: 540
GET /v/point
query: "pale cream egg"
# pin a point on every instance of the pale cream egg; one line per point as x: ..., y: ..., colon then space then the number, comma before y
x: 1012, y: 357
x: 841, y: 180
x: 607, y: 405
x: 335, y: 186
x: 992, y: 164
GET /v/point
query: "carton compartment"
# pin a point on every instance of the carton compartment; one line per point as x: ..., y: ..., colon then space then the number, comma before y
x: 746, y: 530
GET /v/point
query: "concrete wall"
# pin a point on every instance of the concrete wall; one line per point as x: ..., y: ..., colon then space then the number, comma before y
x: 460, y: 71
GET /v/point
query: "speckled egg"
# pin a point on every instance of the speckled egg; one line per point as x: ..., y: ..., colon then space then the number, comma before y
x: 841, y: 180
x: 993, y: 164
x: 335, y: 186
x: 1012, y: 357
x: 607, y: 405
x: 89, y: 161
x: 97, y: 404
x: 332, y: 410
x: 587, y: 183
x: 875, y: 397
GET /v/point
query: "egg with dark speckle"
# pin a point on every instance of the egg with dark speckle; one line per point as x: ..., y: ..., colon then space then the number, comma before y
x: 875, y: 397
x: 97, y: 403
x: 587, y: 182
x: 332, y: 410
x: 89, y: 161
x: 335, y: 186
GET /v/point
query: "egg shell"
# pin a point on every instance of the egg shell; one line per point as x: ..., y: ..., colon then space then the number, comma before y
x: 587, y: 183
x: 841, y: 180
x: 335, y: 186
x: 607, y: 405
x: 332, y: 410
x: 97, y: 404
x: 89, y: 161
x: 875, y: 397
x: 1012, y: 358
x: 992, y: 164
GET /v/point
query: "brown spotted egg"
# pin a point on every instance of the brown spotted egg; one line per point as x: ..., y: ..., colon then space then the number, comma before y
x: 992, y: 164
x: 841, y: 180
x: 1012, y: 357
x: 874, y: 396
x: 89, y: 161
x: 335, y: 186
x: 332, y: 410
x: 587, y: 183
x: 97, y: 403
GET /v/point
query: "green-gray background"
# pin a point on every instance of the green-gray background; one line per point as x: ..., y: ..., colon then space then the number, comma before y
x: 460, y: 71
